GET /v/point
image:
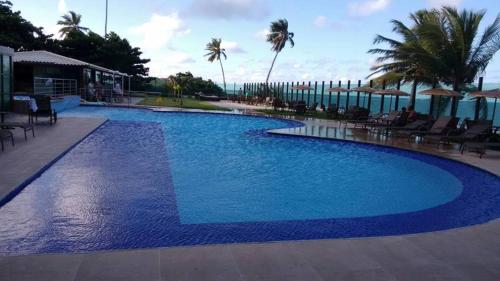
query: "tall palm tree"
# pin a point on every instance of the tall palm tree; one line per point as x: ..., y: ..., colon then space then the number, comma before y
x: 441, y: 45
x: 278, y: 37
x: 71, y: 22
x: 215, y: 51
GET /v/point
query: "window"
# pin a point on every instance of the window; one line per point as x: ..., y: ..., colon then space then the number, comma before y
x: 5, y: 81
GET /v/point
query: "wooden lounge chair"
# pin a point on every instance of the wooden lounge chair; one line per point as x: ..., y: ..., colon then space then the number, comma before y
x: 383, y: 123
x: 408, y: 129
x: 278, y: 104
x: 332, y: 111
x: 312, y: 109
x: 478, y: 133
x: 441, y: 127
x: 6, y: 134
x: 44, y: 109
x: 300, y: 107
x: 357, y: 116
x: 26, y: 127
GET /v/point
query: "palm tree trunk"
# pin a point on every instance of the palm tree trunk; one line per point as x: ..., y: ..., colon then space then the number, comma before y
x: 269, y: 73
x: 413, y: 93
x: 454, y: 105
x: 223, y: 77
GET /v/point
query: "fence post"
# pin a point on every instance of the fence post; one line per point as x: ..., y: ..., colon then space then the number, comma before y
x: 396, y: 105
x: 347, y: 100
x: 357, y: 95
x: 308, y: 93
x: 370, y: 97
x: 303, y: 84
x: 338, y: 94
x: 382, y: 100
x: 330, y: 94
x: 315, y: 91
x: 297, y: 92
x: 286, y: 94
x: 322, y: 92
x: 478, y: 100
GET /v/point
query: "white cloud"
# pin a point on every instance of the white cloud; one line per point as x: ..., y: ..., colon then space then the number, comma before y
x: 170, y: 63
x: 232, y: 47
x: 441, y: 3
x: 320, y: 21
x: 367, y: 7
x: 262, y: 34
x: 61, y: 6
x: 230, y: 9
x: 159, y: 31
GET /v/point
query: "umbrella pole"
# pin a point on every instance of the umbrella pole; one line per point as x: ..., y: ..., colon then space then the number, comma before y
x: 439, y: 106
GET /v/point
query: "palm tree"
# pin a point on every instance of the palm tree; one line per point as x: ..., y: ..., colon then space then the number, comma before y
x: 215, y: 51
x: 278, y: 37
x: 71, y: 22
x: 442, y: 45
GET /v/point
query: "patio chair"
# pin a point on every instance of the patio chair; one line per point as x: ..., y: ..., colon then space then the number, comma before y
x: 278, y: 104
x: 384, y: 122
x: 26, y: 127
x: 441, y: 127
x: 408, y: 129
x: 332, y: 111
x: 312, y: 109
x: 6, y: 134
x: 477, y: 133
x: 357, y: 116
x: 300, y: 107
x: 44, y: 109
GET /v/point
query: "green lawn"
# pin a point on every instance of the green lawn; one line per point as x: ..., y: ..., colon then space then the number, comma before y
x: 186, y: 103
x: 317, y: 114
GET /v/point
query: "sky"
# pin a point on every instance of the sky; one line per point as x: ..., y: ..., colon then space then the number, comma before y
x: 332, y: 37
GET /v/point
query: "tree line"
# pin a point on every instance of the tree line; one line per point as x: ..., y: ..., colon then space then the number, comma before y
x: 77, y: 42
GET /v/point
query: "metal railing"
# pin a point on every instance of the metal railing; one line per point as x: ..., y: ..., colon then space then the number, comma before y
x: 54, y: 87
x: 104, y: 95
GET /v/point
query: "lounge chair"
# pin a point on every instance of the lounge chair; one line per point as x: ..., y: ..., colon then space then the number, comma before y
x: 383, y: 123
x: 6, y: 134
x: 478, y: 132
x: 312, y: 109
x: 357, y: 116
x: 26, y: 127
x: 300, y: 107
x: 44, y: 109
x: 332, y: 111
x: 278, y: 104
x: 441, y: 127
x: 408, y: 129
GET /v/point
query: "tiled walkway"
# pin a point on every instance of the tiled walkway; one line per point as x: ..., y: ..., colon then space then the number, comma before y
x: 471, y: 253
x: 28, y: 157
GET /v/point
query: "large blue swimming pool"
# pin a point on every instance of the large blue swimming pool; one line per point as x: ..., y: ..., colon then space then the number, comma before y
x: 152, y: 179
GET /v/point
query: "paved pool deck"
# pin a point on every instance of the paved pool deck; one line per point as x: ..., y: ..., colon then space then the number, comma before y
x: 29, y: 156
x: 471, y: 253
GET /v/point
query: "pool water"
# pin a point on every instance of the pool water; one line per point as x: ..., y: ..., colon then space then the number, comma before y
x: 151, y: 179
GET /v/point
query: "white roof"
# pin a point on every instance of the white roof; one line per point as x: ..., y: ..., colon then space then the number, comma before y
x: 46, y: 57
x: 6, y: 50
